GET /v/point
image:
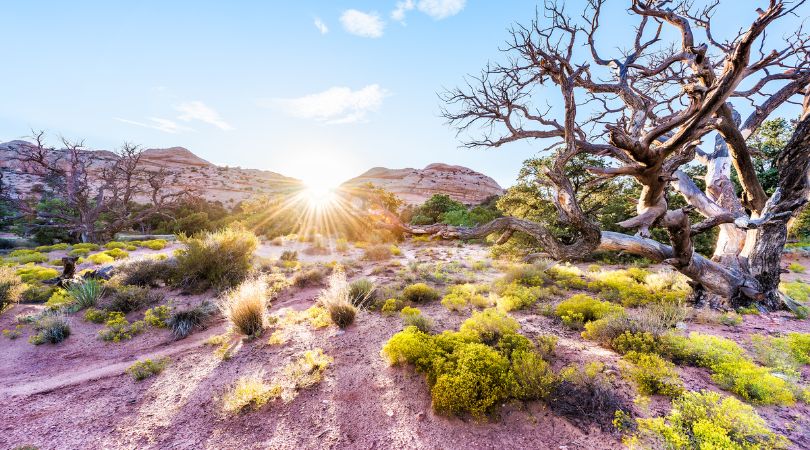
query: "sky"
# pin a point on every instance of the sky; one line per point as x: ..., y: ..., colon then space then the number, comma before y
x: 324, y: 89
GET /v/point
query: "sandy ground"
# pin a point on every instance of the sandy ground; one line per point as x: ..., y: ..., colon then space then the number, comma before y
x: 76, y: 394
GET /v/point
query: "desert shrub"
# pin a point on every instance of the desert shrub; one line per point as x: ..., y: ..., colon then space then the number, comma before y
x: 341, y: 245
x: 419, y: 293
x: 567, y: 276
x: 362, y: 293
x: 288, y: 255
x: 85, y: 294
x: 580, y: 309
x: 516, y: 296
x: 489, y: 325
x: 459, y: 297
x: 796, y: 267
x: 421, y: 321
x: 152, y: 244
x: 219, y: 259
x: 79, y: 252
x: 26, y: 256
x: 31, y: 273
x: 391, y: 306
x: 585, y: 395
x: 796, y: 290
x: 378, y: 252
x: 52, y: 248
x: 117, y: 328
x: 305, y: 371
x: 95, y: 315
x: 126, y: 299
x: 638, y: 342
x: 183, y: 322
x: 785, y: 354
x: 481, y: 380
x: 147, y: 272
x: 534, y: 379
x: 635, y: 286
x: 335, y: 299
x: 248, y: 391
x: 51, y: 328
x: 59, y: 300
x: 704, y: 420
x: 37, y: 293
x: 142, y: 370
x: 731, y: 368
x: 115, y: 244
x: 653, y: 374
x: 312, y: 276
x: 89, y: 246
x: 245, y: 307
x: 529, y: 275
x: 11, y: 287
x: 158, y: 316
x: 100, y: 258
x: 117, y: 253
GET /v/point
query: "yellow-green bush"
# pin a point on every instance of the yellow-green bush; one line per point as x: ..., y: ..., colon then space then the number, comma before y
x: 459, y: 297
x: 117, y: 328
x: 151, y: 244
x: 31, y: 273
x: 11, y: 287
x: 391, y: 307
x: 117, y: 253
x: 89, y: 246
x: 636, y: 286
x: 115, y: 245
x: 95, y: 315
x: 158, y: 316
x: 419, y: 293
x: 528, y: 275
x: 580, y: 309
x: 641, y: 342
x: 249, y: 392
x: 731, y: 367
x: 26, y: 256
x: 797, y: 290
x: 50, y: 327
x: 142, y: 370
x: 59, y: 299
x: 489, y: 325
x: 78, y: 252
x: 37, y: 293
x: 653, y: 374
x: 706, y: 420
x: 567, y: 277
x: 219, y: 259
x: 534, y: 379
x: 785, y: 354
x: 52, y: 248
x: 101, y: 258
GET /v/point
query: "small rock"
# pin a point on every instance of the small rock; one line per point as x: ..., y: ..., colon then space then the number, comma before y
x: 390, y: 413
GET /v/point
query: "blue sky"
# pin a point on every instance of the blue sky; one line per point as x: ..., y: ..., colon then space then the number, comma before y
x: 261, y: 84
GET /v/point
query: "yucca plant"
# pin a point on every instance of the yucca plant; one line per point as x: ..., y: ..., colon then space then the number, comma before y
x: 85, y: 294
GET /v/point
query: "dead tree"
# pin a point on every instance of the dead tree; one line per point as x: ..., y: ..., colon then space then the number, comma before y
x: 97, y: 194
x: 648, y: 108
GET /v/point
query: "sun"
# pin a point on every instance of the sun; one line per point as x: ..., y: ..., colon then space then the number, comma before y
x: 319, y: 193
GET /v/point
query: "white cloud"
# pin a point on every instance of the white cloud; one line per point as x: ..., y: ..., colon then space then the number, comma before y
x: 437, y: 9
x: 198, y: 110
x: 335, y: 105
x: 321, y: 26
x: 156, y: 123
x: 362, y: 24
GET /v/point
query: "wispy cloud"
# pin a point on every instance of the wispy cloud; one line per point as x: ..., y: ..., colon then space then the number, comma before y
x: 362, y: 24
x: 437, y: 9
x: 198, y: 110
x: 335, y: 105
x: 156, y: 123
x: 321, y: 26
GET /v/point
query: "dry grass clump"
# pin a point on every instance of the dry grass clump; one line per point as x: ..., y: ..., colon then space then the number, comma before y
x: 378, y: 252
x: 245, y: 307
x: 126, y: 299
x: 146, y: 272
x: 249, y: 392
x: 362, y: 293
x: 337, y: 301
x: 312, y: 276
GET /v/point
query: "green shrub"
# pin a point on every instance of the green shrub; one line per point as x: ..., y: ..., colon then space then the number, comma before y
x: 489, y: 325
x: 95, y: 315
x: 59, y: 300
x: 419, y: 293
x: 639, y: 342
x: 115, y: 245
x: 731, y: 368
x: 52, y: 248
x: 146, y: 272
x: 516, y: 296
x: 85, y: 294
x: 636, y: 287
x: 100, y: 258
x: 567, y: 276
x: 11, y: 287
x: 534, y: 379
x: 183, y: 322
x: 26, y: 256
x: 459, y: 297
x: 79, y: 252
x: 37, y: 293
x: 142, y: 370
x: 126, y: 299
x: 85, y: 246
x: 653, y: 374
x: 706, y: 420
x: 422, y: 322
x: 362, y: 293
x: 158, y: 316
x: 785, y: 354
x: 31, y: 273
x: 796, y: 290
x: 288, y: 255
x: 528, y: 275
x: 796, y: 267
x: 117, y: 328
x: 219, y: 260
x: 117, y: 253
x: 152, y: 244
x: 580, y: 309
x: 245, y: 307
